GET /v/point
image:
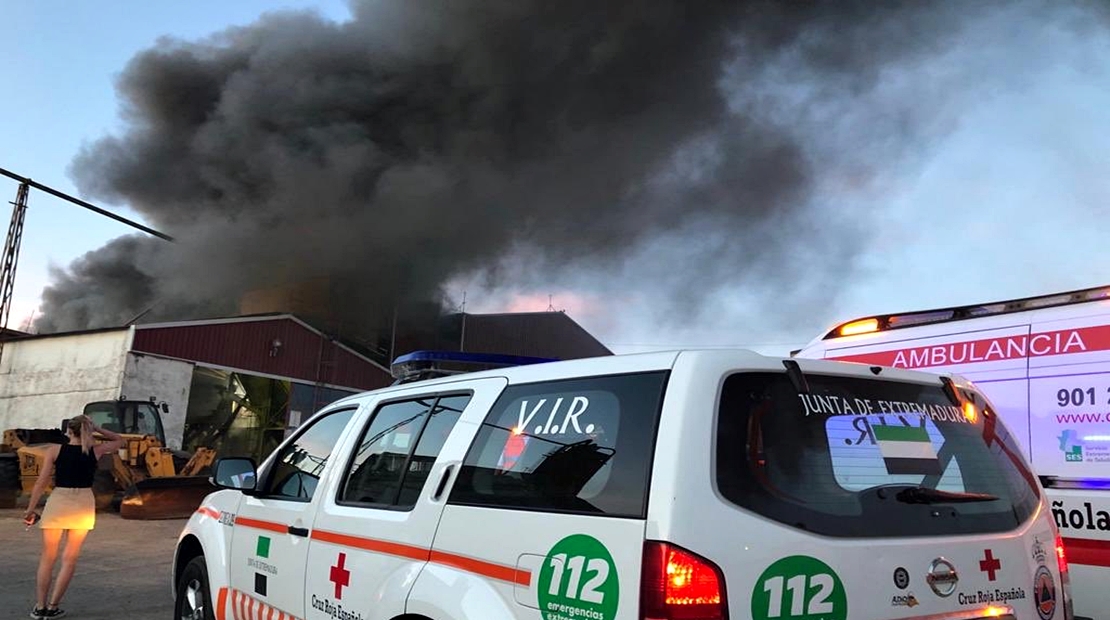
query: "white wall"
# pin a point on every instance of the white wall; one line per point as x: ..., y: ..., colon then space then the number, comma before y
x: 45, y: 380
x: 167, y: 380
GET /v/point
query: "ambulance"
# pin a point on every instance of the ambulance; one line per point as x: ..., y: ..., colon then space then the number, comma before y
x: 1044, y: 362
x: 682, y: 485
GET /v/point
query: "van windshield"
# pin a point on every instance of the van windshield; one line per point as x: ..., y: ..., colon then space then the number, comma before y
x: 863, y: 457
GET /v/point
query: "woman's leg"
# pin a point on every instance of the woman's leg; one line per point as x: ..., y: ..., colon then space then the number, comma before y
x: 50, y: 540
x: 74, y: 540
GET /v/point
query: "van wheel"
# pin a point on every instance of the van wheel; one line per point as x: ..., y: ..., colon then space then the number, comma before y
x: 193, y: 600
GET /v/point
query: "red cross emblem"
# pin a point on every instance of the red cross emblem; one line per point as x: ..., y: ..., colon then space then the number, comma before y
x: 990, y: 564
x: 341, y: 577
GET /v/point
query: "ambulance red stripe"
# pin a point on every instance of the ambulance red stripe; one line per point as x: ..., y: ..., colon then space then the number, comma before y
x: 1018, y: 346
x: 209, y: 512
x: 1088, y: 552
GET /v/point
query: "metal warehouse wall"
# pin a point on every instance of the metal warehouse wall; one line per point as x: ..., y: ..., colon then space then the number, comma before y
x: 47, y: 378
x: 251, y: 345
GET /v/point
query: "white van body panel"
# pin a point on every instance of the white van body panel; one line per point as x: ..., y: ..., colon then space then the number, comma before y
x: 450, y: 560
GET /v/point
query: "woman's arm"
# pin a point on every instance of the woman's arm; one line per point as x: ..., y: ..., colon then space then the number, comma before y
x: 113, y: 441
x: 45, y: 474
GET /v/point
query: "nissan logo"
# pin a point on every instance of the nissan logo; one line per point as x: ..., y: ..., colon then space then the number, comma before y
x: 942, y: 577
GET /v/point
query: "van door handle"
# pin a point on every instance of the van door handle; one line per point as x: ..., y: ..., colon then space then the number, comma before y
x: 298, y: 531
x: 443, y: 482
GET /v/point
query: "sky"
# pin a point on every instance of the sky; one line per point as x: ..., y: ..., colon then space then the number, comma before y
x: 971, y: 167
x: 60, y: 94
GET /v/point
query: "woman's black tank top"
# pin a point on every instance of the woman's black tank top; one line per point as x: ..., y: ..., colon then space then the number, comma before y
x: 74, y: 468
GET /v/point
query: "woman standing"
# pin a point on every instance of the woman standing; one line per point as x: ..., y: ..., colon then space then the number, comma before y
x: 70, y: 510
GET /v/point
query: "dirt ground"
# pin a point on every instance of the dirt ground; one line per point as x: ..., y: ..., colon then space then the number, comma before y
x: 124, y: 570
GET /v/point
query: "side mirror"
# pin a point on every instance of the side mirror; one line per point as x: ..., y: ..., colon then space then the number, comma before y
x: 165, y: 407
x: 235, y: 473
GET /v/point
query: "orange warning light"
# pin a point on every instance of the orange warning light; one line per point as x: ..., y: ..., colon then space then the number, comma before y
x: 861, y: 326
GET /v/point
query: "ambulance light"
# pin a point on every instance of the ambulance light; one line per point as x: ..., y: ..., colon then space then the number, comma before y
x: 920, y: 318
x: 1075, y: 483
x: 985, y: 309
x: 994, y: 612
x: 862, y: 326
x: 971, y: 413
x: 1044, y: 302
x: 1101, y: 293
x: 677, y: 584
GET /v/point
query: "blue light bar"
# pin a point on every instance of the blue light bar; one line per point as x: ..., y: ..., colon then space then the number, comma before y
x: 423, y: 364
x: 1052, y: 482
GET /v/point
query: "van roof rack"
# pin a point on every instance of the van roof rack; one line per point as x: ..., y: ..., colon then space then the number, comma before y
x: 420, y: 365
x: 884, y: 322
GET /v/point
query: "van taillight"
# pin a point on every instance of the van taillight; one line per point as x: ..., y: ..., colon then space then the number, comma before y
x: 1065, y: 578
x: 678, y: 585
x: 1061, y: 555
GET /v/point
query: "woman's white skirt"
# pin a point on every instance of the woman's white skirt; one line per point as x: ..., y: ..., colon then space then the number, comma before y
x: 69, y: 509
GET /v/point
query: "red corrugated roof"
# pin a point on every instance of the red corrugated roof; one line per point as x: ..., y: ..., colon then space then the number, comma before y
x: 250, y: 344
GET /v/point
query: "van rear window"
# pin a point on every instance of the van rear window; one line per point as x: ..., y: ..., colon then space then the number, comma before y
x: 862, y: 457
x: 576, y: 446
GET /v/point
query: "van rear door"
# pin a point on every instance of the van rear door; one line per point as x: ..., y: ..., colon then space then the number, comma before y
x: 875, y: 498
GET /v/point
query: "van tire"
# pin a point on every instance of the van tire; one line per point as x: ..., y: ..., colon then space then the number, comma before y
x: 10, y: 483
x: 193, y: 599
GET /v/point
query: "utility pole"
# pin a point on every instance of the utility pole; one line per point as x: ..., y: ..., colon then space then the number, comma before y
x: 15, y: 238
x: 11, y: 259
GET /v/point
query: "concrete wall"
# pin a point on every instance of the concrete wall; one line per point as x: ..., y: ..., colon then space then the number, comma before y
x: 167, y: 380
x: 44, y: 380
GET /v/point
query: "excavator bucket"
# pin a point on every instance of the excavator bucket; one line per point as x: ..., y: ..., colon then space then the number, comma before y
x: 171, y: 497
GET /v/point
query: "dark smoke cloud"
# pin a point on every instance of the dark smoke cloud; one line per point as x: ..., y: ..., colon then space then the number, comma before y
x: 427, y: 140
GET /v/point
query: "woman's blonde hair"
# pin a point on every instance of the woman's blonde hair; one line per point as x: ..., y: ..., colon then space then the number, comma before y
x: 82, y: 427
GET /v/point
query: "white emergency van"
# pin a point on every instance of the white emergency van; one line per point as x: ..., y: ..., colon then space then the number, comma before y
x: 1045, y: 364
x: 693, y: 485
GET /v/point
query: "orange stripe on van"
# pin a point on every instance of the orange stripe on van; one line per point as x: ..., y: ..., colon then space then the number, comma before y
x: 1087, y: 552
x: 221, y: 604
x: 209, y: 512
x: 372, y: 544
x: 246, y: 607
x: 259, y: 524
x: 510, y: 574
x: 501, y: 572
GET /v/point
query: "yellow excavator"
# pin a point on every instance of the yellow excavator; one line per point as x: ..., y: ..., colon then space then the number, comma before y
x: 144, y: 479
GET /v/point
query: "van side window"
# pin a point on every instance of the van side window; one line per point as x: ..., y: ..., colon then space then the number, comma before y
x: 397, y: 450
x: 574, y: 446
x: 298, y: 466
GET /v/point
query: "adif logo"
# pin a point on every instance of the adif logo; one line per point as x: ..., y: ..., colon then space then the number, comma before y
x: 1071, y: 446
x: 904, y: 600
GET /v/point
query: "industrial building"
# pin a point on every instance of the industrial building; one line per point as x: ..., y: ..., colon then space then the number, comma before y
x: 240, y: 384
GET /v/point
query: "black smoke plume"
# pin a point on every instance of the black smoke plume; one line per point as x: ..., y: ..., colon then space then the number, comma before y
x: 424, y: 140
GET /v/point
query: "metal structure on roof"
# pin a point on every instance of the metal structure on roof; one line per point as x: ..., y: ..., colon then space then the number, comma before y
x: 15, y: 237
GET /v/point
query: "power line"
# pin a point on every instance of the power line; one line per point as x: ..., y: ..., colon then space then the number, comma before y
x: 82, y: 203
